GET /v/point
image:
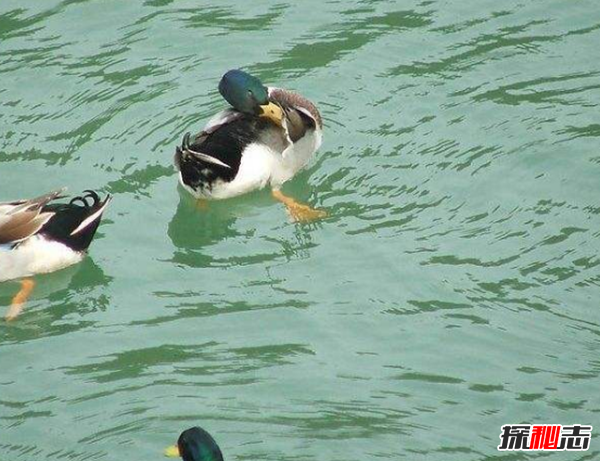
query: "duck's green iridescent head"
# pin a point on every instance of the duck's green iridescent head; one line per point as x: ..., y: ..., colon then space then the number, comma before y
x: 195, y: 444
x: 247, y: 94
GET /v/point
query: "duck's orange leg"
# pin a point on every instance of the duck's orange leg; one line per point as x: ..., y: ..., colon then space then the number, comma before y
x: 201, y: 204
x: 298, y: 211
x: 18, y: 302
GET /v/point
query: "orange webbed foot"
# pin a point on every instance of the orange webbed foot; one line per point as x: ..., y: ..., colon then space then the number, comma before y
x: 298, y: 211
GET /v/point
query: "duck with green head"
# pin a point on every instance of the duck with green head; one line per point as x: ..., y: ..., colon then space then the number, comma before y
x: 265, y: 137
x: 195, y: 444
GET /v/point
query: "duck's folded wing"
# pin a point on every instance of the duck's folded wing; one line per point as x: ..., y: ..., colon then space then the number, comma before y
x: 187, y: 149
x: 220, y: 151
x: 194, y: 146
x: 22, y: 219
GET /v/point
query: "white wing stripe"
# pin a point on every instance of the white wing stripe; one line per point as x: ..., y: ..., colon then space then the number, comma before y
x: 207, y: 158
x: 90, y: 219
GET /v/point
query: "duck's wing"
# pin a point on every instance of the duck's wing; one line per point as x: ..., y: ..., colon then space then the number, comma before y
x: 188, y: 148
x: 193, y: 150
x: 301, y: 114
x: 23, y: 218
x: 216, y: 152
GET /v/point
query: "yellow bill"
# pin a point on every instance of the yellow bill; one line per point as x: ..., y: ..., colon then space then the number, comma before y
x: 273, y: 112
x: 172, y: 452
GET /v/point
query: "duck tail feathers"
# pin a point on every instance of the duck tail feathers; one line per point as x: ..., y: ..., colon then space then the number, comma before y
x: 75, y: 223
x: 96, y: 209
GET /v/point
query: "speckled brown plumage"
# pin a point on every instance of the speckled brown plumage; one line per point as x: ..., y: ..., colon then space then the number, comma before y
x: 290, y: 99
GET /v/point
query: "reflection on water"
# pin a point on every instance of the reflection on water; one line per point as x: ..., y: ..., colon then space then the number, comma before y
x: 197, y: 224
x: 73, y: 292
x: 451, y: 289
x: 205, y: 225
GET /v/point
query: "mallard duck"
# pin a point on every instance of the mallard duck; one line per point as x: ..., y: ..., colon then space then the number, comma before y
x: 264, y: 139
x: 37, y: 236
x: 195, y: 444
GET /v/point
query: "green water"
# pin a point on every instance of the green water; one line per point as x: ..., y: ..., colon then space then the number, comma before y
x: 453, y: 288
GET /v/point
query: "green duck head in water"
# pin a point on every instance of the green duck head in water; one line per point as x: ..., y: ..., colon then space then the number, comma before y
x: 247, y: 94
x: 195, y: 444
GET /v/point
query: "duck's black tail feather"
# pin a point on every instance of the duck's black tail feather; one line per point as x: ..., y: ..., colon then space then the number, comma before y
x: 74, y: 224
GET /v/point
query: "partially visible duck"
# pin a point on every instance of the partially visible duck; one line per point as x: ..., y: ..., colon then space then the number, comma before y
x: 37, y: 236
x: 264, y: 139
x: 195, y: 444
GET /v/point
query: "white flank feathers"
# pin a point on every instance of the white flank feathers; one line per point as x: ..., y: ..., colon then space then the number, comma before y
x: 254, y: 172
x: 36, y: 256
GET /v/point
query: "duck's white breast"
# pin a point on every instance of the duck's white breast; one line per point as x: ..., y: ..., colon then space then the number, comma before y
x: 295, y: 157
